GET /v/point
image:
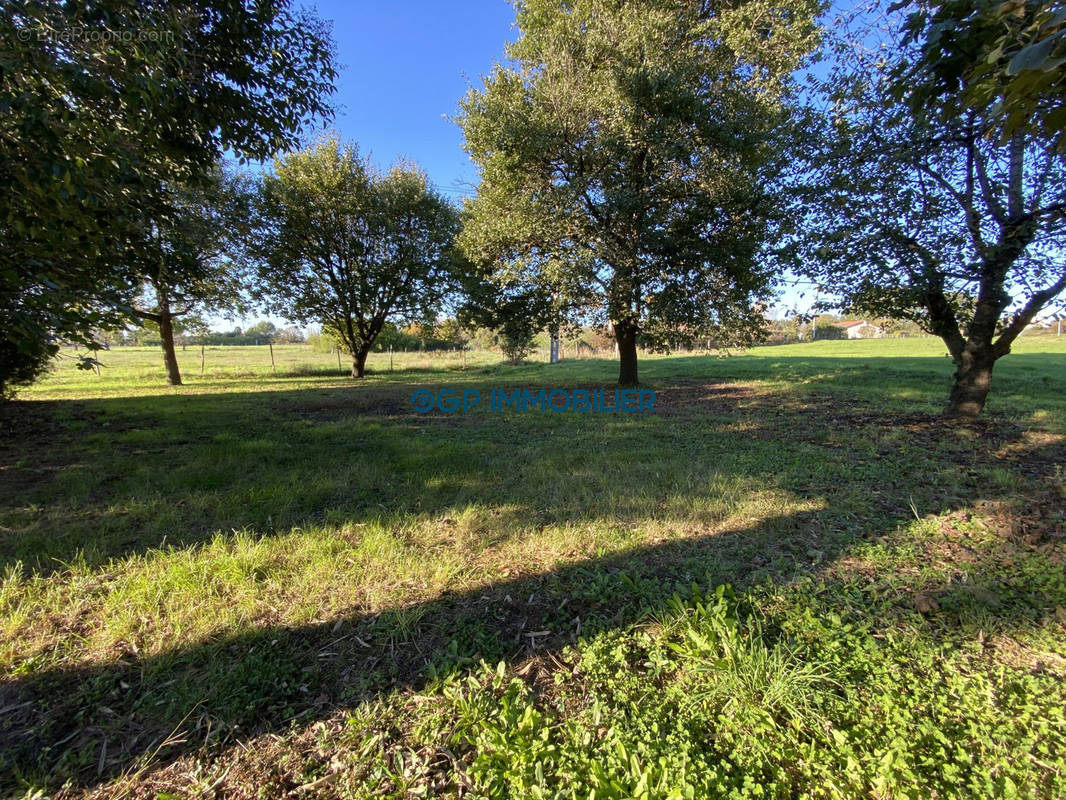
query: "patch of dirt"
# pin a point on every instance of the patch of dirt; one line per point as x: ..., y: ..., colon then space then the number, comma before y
x: 693, y: 397
x: 1012, y: 653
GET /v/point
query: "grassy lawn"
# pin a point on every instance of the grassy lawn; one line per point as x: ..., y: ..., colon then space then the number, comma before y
x: 792, y: 580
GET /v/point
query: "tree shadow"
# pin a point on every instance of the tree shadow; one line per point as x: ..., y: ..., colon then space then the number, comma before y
x: 88, y: 723
x: 201, y: 461
x: 102, y: 479
x: 1032, y: 377
x: 66, y: 723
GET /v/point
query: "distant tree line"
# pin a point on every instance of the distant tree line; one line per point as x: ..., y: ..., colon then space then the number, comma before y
x: 650, y: 169
x: 798, y: 327
x: 260, y: 333
x: 415, y: 337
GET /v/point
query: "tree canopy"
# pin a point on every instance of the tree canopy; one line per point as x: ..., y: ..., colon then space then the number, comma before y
x: 515, y: 312
x: 1005, y: 59
x: 107, y: 104
x: 624, y: 151
x: 190, y: 262
x: 341, y: 244
x: 915, y: 211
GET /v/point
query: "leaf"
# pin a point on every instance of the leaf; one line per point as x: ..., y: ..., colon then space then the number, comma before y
x: 1031, y: 57
x: 1053, y: 64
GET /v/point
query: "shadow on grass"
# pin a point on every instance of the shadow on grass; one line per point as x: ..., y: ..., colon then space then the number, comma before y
x: 102, y: 479
x: 86, y: 724
x: 1041, y: 376
x: 349, y: 455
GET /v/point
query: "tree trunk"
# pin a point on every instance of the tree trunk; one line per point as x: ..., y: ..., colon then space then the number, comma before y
x: 973, y: 377
x: 625, y: 336
x: 166, y: 335
x: 359, y: 363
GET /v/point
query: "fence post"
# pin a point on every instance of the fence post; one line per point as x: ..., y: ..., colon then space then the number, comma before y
x: 201, y: 361
x: 272, y: 365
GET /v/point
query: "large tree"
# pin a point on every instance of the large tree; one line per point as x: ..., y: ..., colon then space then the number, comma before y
x: 931, y: 211
x: 189, y: 261
x: 105, y: 105
x: 343, y: 245
x: 625, y: 151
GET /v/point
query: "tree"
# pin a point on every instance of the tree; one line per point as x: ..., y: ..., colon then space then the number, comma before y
x: 345, y: 246
x: 451, y: 331
x: 187, y: 260
x: 106, y: 104
x: 915, y: 213
x: 624, y: 155
x: 514, y: 312
x: 1007, y: 59
x: 263, y: 331
x: 290, y: 335
x: 28, y: 345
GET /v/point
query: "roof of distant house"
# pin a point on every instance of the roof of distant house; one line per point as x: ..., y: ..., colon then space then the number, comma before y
x: 849, y: 323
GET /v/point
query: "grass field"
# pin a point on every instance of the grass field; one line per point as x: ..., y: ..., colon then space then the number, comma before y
x: 792, y: 580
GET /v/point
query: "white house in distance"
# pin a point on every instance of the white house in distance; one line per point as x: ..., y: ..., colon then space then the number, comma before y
x: 859, y: 329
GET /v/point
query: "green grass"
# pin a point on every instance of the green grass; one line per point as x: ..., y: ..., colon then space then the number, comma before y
x: 271, y: 581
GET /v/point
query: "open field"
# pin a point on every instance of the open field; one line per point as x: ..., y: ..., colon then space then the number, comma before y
x: 792, y: 580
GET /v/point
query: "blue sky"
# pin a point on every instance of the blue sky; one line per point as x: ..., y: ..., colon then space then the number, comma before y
x: 404, y: 67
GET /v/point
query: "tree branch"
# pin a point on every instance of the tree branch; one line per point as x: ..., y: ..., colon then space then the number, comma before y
x: 1025, y: 316
x: 994, y: 206
x: 151, y: 316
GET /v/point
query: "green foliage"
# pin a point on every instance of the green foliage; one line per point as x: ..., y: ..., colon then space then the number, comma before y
x: 188, y: 257
x: 260, y: 333
x: 264, y: 331
x: 609, y: 173
x: 514, y: 312
x: 341, y: 245
x: 740, y: 673
x: 322, y: 342
x: 829, y: 332
x: 107, y: 104
x: 446, y: 335
x: 917, y: 214
x: 707, y: 704
x: 1009, y: 58
x: 452, y: 332
x: 190, y: 260
x: 27, y: 348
